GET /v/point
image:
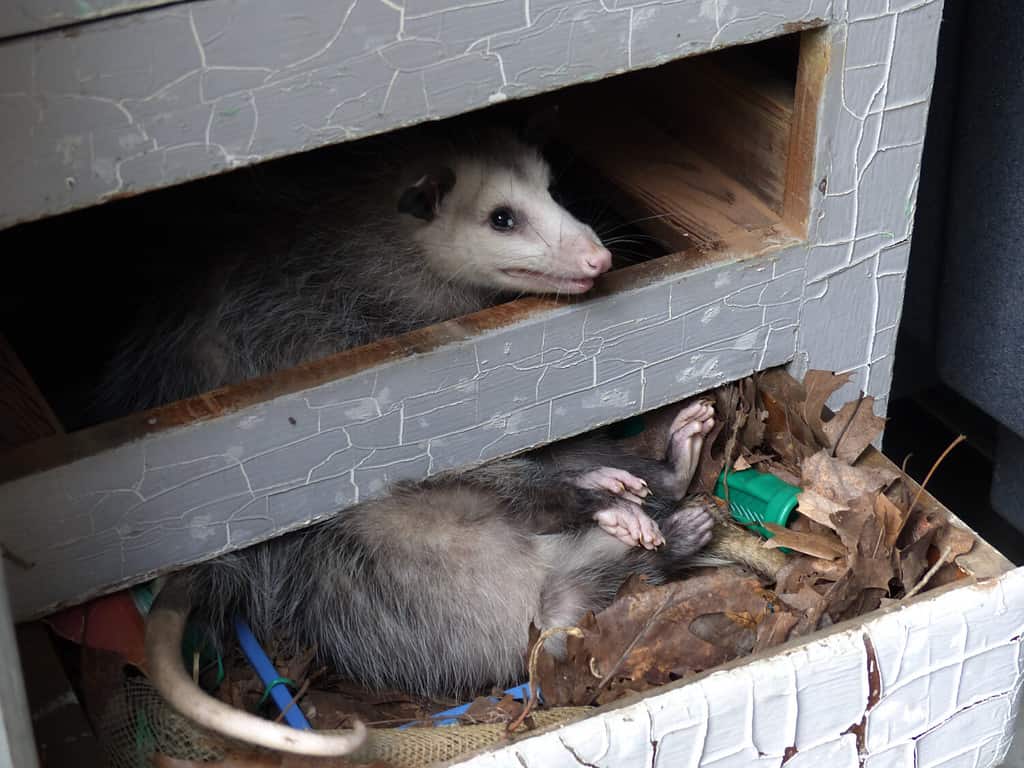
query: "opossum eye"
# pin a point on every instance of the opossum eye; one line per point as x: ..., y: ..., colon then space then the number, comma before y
x: 503, y: 220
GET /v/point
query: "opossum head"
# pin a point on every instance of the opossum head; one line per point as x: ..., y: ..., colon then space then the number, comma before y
x: 487, y: 218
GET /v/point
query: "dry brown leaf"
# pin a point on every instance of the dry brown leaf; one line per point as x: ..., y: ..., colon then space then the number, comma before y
x: 752, y: 430
x: 783, y: 473
x: 782, y: 428
x: 820, y: 545
x: 711, y: 462
x: 806, y: 600
x: 775, y: 630
x: 488, y: 709
x: 736, y: 634
x: 819, y: 386
x: 818, y: 508
x: 568, y: 679
x: 891, y: 517
x: 947, y: 574
x: 841, y: 482
x: 643, y: 639
x: 863, y: 534
x: 786, y: 430
x: 959, y: 540
x: 913, y: 560
x: 740, y: 464
x: 799, y: 571
x: 855, y: 427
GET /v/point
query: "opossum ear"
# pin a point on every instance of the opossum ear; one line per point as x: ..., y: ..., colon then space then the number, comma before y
x: 423, y: 199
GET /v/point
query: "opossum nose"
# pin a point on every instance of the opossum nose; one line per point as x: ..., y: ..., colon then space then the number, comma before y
x: 596, y: 260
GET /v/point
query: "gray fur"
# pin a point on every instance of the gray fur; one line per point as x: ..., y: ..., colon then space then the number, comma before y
x: 316, y: 259
x: 432, y: 588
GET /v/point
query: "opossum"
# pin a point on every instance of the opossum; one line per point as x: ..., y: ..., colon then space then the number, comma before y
x: 338, y: 250
x: 432, y: 588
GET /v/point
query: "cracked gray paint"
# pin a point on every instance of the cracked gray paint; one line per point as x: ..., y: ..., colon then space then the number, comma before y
x: 138, y: 102
x: 873, y: 127
x: 191, y: 493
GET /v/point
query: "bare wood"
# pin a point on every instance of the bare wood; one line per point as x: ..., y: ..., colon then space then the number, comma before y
x: 738, y: 117
x: 815, y: 61
x: 687, y: 201
x: 24, y: 413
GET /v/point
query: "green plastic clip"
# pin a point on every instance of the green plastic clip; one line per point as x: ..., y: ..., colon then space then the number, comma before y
x: 755, y: 498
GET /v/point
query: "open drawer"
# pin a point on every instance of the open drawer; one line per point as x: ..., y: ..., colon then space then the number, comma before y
x: 928, y: 680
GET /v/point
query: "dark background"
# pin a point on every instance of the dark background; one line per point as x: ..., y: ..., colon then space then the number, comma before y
x: 960, y: 357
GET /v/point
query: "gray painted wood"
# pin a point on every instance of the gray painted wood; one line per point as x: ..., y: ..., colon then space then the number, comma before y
x: 144, y: 101
x: 21, y: 17
x: 189, y: 493
x: 180, y: 496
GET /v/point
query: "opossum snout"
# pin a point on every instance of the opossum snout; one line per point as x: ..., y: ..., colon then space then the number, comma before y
x: 594, y: 259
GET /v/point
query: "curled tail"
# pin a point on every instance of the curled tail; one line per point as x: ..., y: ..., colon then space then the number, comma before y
x: 165, y: 627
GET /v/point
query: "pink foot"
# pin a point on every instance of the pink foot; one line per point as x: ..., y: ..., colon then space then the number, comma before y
x: 686, y: 439
x: 628, y: 523
x: 617, y: 481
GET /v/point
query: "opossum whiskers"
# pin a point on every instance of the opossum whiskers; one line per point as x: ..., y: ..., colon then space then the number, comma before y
x: 630, y: 223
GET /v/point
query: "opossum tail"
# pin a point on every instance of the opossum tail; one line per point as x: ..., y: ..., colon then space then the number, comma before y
x: 165, y: 628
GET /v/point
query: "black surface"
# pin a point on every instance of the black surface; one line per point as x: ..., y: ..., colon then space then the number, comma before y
x: 981, y: 322
x: 963, y: 480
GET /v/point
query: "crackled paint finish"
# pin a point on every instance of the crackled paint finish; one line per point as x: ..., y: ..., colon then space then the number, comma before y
x: 947, y: 676
x: 187, y: 494
x: 216, y: 485
x: 147, y: 100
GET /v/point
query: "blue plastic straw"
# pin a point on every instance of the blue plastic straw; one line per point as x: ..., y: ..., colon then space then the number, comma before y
x: 270, y: 677
x: 450, y: 716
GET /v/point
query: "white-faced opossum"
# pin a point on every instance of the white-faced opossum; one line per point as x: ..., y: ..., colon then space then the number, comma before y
x: 432, y: 588
x: 345, y: 248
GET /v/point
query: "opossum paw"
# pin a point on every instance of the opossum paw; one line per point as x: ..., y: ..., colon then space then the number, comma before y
x: 689, y: 529
x: 686, y: 439
x: 628, y: 523
x: 616, y: 481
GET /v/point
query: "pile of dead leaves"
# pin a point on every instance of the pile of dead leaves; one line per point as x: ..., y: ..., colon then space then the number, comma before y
x: 860, y: 539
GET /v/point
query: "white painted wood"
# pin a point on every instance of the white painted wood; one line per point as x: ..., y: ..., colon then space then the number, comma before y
x: 950, y: 674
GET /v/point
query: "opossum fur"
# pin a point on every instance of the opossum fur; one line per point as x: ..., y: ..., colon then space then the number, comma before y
x: 336, y: 250
x: 432, y: 588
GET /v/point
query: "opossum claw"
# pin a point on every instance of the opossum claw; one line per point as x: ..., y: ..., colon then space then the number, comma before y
x: 616, y: 481
x: 628, y: 523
